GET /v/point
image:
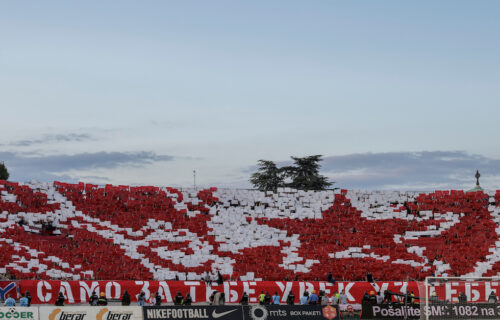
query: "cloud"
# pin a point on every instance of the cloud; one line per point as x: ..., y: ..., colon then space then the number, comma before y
x: 425, y: 170
x: 93, y: 179
x: 48, y: 138
x: 28, y: 166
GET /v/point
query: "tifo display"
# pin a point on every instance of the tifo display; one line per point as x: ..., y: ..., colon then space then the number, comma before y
x: 359, y: 253
x: 83, y: 231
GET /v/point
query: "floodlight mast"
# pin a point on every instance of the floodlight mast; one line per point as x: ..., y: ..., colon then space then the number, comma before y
x: 194, y: 179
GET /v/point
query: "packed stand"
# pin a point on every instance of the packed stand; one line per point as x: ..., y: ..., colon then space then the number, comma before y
x: 85, y: 231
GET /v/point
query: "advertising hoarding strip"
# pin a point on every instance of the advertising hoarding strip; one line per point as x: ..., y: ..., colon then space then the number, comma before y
x: 78, y: 292
x: 255, y: 312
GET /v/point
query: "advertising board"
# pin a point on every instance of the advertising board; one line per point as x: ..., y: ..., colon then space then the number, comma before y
x: 19, y: 313
x: 254, y: 312
x: 91, y: 313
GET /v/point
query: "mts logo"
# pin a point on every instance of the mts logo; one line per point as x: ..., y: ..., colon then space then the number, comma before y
x: 278, y: 313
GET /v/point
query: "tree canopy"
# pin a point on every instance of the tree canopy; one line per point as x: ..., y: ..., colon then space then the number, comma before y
x: 268, y: 176
x: 4, y: 173
x: 303, y: 175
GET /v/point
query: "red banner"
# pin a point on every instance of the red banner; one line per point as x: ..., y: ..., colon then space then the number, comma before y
x: 46, y: 291
x: 8, y: 288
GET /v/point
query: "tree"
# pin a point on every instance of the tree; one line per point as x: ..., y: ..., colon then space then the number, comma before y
x: 305, y: 174
x: 268, y: 176
x: 302, y: 175
x: 4, y: 173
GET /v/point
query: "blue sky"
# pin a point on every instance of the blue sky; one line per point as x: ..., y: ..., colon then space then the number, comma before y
x: 145, y: 92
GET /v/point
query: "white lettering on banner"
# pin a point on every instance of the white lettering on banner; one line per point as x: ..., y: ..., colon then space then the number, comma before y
x: 346, y: 289
x: 86, y: 291
x: 66, y: 290
x: 323, y: 285
x: 381, y: 289
x: 450, y: 292
x: 110, y: 286
x: 471, y: 293
x: 305, y: 286
x: 145, y: 288
x: 488, y: 288
x: 208, y: 293
x: 404, y: 286
x: 46, y: 292
x: 285, y: 289
x: 164, y: 291
x: 432, y: 289
x: 249, y: 291
x: 39, y: 291
x: 231, y: 295
x: 397, y: 284
x: 192, y: 288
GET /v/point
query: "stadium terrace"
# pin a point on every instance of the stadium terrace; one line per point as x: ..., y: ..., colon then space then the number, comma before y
x: 83, y: 231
